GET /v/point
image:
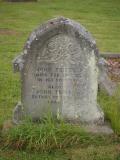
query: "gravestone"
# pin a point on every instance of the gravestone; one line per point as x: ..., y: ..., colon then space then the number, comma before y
x: 59, y: 72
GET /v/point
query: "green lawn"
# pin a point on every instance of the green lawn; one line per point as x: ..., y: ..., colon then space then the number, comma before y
x: 111, y: 152
x: 17, y: 20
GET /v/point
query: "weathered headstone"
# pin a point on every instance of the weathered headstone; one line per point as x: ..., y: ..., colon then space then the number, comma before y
x: 59, y: 72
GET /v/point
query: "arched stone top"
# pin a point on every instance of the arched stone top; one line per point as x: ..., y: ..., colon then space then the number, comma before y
x: 57, y: 26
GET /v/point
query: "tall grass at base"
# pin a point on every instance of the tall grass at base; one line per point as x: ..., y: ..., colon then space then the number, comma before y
x: 49, y: 135
x: 111, y: 108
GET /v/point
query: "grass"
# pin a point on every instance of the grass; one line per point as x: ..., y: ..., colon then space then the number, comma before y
x: 111, y: 152
x: 17, y: 20
x: 111, y: 108
x: 50, y: 135
x: 101, y: 18
x: 23, y: 155
x: 52, y: 139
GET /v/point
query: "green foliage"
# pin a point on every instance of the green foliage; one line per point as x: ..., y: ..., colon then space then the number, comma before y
x: 110, y: 152
x: 111, y: 108
x: 100, y: 17
x: 23, y: 155
x: 50, y: 134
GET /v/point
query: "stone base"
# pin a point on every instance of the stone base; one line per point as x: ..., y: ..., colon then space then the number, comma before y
x: 94, y: 127
x: 98, y: 129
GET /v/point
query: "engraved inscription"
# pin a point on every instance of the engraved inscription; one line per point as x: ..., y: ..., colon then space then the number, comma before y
x: 56, y: 64
x: 53, y: 79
